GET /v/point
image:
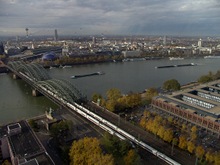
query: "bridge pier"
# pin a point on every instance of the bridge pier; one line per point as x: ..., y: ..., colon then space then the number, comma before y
x: 15, y: 76
x: 35, y: 93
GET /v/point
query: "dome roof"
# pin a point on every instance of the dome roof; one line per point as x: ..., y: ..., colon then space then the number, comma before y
x: 49, y: 56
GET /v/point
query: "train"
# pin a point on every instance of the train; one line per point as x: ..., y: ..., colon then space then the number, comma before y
x: 106, y: 125
x: 114, y: 130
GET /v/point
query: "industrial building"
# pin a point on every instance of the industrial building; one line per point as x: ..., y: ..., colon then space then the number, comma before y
x: 199, y: 105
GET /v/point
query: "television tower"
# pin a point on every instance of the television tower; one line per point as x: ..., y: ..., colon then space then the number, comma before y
x: 26, y: 32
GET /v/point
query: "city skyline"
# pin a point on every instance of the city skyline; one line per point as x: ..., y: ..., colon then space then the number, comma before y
x: 125, y: 17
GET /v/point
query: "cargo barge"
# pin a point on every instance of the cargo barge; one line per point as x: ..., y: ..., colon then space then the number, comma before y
x: 171, y: 66
x: 86, y: 75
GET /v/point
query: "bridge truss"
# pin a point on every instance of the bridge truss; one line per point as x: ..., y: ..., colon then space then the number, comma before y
x: 40, y: 77
x: 63, y: 89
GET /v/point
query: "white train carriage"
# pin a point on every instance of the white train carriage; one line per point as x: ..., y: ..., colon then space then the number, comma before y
x: 120, y: 136
x: 167, y: 159
x: 93, y: 120
x: 111, y: 125
x: 82, y: 113
x: 109, y: 130
x: 148, y: 148
x: 130, y: 137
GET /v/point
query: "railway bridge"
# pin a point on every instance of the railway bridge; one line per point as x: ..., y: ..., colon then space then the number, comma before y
x: 37, y: 77
x: 67, y: 95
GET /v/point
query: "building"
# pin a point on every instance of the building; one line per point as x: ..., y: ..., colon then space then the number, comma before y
x: 19, y: 144
x: 55, y: 35
x: 133, y: 53
x: 2, y: 49
x: 199, y: 105
x: 200, y: 43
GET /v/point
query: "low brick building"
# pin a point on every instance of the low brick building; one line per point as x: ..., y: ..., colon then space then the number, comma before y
x: 199, y: 105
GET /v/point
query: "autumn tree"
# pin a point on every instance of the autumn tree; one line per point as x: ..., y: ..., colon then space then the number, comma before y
x: 168, y: 135
x: 210, y: 157
x: 133, y: 100
x: 182, y: 142
x: 111, y: 105
x: 190, y: 146
x: 193, y: 133
x: 199, y: 152
x: 170, y: 119
x: 132, y: 158
x: 88, y: 151
x: 217, y: 158
x: 113, y: 94
x: 150, y: 93
x: 143, y: 122
x: 205, y: 79
x: 96, y: 97
x: 171, y: 85
x: 161, y: 132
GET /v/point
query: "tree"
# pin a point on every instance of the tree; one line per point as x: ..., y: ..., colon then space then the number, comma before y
x: 143, y: 122
x: 96, y: 96
x: 170, y: 119
x: 168, y: 135
x: 161, y: 132
x: 133, y: 100
x: 193, y: 133
x: 183, y: 127
x: 191, y: 146
x: 113, y: 94
x: 194, y: 129
x: 171, y: 85
x: 217, y: 158
x: 199, y: 152
x: 110, y: 105
x: 88, y: 151
x: 59, y: 129
x: 182, y: 142
x: 205, y: 79
x: 150, y: 93
x: 210, y: 157
x: 132, y: 158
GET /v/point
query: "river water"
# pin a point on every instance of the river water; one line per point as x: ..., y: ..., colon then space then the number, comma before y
x: 17, y: 103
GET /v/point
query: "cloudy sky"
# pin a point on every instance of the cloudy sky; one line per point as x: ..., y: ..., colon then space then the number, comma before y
x: 132, y: 17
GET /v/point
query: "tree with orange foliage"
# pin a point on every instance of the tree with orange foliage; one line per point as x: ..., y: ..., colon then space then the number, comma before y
x: 88, y: 151
x: 191, y: 146
x: 199, y: 152
x: 182, y: 142
x: 168, y: 135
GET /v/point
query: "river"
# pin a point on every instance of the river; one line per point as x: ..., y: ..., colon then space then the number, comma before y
x: 17, y: 103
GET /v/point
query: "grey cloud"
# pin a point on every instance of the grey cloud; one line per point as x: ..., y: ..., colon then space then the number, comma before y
x: 128, y: 16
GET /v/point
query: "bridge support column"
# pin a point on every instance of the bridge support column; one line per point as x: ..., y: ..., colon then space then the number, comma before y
x: 15, y: 76
x: 35, y: 93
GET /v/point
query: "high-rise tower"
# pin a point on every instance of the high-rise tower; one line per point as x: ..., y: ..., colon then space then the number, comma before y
x: 200, y: 43
x: 164, y: 40
x: 55, y: 35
